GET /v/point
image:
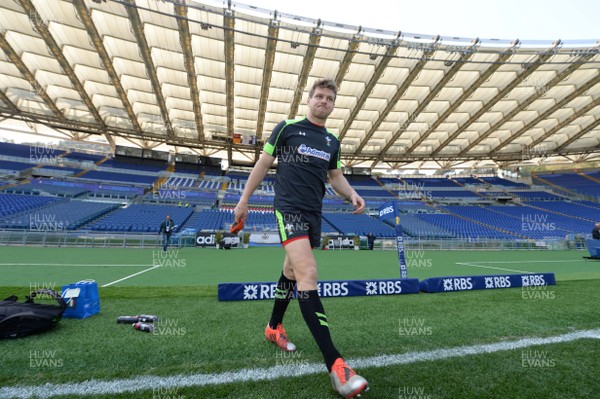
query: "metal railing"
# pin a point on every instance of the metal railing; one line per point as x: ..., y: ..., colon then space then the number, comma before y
x: 149, y: 240
x: 80, y: 239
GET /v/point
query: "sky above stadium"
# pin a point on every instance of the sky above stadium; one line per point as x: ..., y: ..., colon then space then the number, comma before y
x: 498, y: 19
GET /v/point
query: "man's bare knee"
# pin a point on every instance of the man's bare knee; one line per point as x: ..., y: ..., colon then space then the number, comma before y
x: 299, y: 256
x: 288, y: 269
x: 306, y: 276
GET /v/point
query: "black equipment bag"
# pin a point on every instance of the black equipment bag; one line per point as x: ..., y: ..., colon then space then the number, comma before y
x: 19, y: 319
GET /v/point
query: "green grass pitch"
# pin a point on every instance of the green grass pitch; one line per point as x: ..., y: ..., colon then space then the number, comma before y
x: 201, y: 335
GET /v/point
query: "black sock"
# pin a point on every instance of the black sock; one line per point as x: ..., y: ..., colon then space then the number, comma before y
x: 314, y: 315
x: 283, y: 295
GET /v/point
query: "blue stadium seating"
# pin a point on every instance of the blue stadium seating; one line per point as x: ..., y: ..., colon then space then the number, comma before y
x: 141, y: 218
x: 413, y: 207
x: 428, y: 182
x: 255, y: 200
x: 362, y: 224
x: 381, y: 193
x: 361, y: 181
x: 335, y: 204
x: 190, y: 197
x: 414, y: 226
x: 134, y: 165
x: 68, y: 215
x: 119, y: 177
x: 538, y: 215
x: 522, y: 220
x: 498, y: 181
x: 440, y: 194
x: 80, y: 156
x: 42, y: 186
x: 26, y: 151
x: 467, y: 180
x: 575, y: 182
x: 11, y: 204
x: 537, y: 196
x: 12, y: 166
x: 64, y: 169
x: 389, y: 180
x: 210, y: 220
x: 593, y: 205
x: 540, y: 223
x: 463, y: 229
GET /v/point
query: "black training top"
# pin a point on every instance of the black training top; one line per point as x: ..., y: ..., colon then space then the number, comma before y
x: 167, y: 226
x: 305, y: 152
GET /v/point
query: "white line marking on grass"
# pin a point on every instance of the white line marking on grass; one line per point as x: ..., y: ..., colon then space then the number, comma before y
x: 98, y: 387
x: 490, y: 267
x: 531, y: 261
x: 131, y: 275
x: 73, y: 264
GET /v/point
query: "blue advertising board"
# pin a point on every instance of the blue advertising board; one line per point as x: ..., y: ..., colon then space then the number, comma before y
x: 486, y: 282
x: 331, y: 288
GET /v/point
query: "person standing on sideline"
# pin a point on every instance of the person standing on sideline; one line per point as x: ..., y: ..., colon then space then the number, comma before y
x: 371, y: 241
x: 166, y: 228
x: 596, y: 231
x: 307, y: 155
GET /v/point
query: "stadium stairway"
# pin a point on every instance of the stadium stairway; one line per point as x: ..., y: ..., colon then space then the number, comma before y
x: 158, y: 183
x: 481, y: 180
x: 457, y: 182
x: 592, y: 178
x: 557, y: 187
x: 26, y: 181
x: 489, y: 226
x: 594, y: 206
x: 90, y: 222
x: 100, y: 162
x: 200, y: 178
x: 555, y: 212
x: 466, y: 189
x: 383, y: 186
x: 41, y: 165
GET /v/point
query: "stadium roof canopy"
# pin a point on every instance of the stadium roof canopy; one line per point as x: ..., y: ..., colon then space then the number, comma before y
x: 182, y: 74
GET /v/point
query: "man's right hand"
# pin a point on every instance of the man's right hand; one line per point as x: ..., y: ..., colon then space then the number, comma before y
x: 240, y: 212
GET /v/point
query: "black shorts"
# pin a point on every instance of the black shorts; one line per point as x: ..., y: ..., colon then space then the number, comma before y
x: 293, y: 225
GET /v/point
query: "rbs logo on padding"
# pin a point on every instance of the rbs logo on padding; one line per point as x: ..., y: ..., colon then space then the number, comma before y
x: 385, y: 211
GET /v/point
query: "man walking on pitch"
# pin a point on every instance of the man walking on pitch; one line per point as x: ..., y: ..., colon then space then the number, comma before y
x: 307, y: 155
x: 166, y: 228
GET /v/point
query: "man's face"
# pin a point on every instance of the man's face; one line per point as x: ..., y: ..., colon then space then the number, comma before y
x: 168, y: 218
x: 598, y: 226
x: 320, y: 105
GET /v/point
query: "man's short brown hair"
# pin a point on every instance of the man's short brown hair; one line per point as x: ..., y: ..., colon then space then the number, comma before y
x: 326, y: 84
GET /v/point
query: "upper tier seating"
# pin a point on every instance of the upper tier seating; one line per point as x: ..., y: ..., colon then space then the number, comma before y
x: 575, y: 182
